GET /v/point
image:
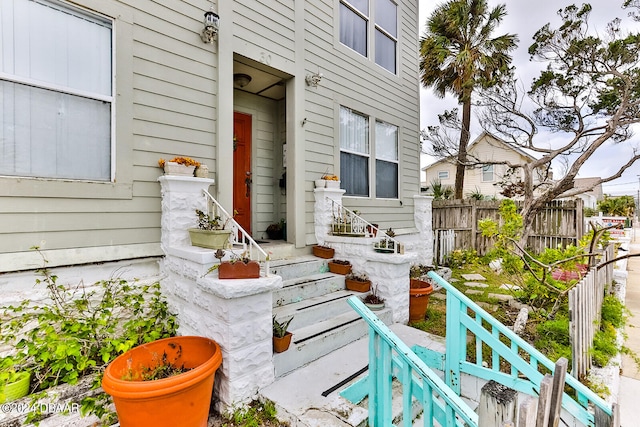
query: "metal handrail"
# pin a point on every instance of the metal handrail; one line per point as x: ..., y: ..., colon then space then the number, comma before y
x: 239, y: 237
x: 348, y: 223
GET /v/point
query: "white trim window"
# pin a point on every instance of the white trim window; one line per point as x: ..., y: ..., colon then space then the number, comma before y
x: 56, y: 91
x: 354, y: 152
x: 387, y: 169
x: 356, y: 33
x: 358, y: 150
x: 443, y: 175
x: 487, y: 173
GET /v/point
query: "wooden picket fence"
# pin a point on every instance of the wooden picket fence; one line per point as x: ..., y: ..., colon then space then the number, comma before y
x: 560, y: 223
x: 585, y: 305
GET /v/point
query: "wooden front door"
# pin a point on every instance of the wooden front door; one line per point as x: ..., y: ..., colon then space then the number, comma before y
x: 242, y: 178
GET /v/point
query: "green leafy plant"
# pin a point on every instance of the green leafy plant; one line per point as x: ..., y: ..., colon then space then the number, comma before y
x: 79, y: 330
x: 280, y: 328
x: 255, y: 414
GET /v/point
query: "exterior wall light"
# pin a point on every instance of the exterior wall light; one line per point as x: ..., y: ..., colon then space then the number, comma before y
x: 313, y: 79
x: 211, y: 25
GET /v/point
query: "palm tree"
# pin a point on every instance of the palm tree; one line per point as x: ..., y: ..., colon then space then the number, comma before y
x: 457, y: 55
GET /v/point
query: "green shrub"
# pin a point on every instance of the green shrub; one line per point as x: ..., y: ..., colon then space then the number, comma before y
x: 613, y: 311
x: 604, y: 345
x: 79, y: 331
x: 553, y: 338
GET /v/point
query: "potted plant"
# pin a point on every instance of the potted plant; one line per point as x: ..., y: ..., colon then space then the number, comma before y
x: 182, y: 166
x: 322, y: 251
x: 237, y: 267
x: 373, y: 300
x: 211, y: 232
x: 144, y: 395
x: 419, y: 292
x: 339, y: 267
x: 357, y: 282
x: 328, y: 181
x: 14, y: 384
x: 281, y: 336
x: 276, y: 231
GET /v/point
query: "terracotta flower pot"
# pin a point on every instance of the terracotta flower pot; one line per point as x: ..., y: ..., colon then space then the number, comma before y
x: 419, y: 293
x: 357, y: 285
x: 239, y: 270
x: 343, y: 269
x: 323, y: 252
x: 180, y: 400
x: 281, y: 344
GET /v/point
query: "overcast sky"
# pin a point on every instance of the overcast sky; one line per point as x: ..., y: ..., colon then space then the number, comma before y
x: 524, y: 18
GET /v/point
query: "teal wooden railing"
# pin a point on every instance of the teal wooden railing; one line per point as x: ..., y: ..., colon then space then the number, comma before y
x: 389, y: 357
x: 502, y: 356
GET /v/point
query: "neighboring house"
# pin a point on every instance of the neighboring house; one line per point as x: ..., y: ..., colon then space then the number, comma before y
x: 482, y: 178
x: 94, y: 92
x: 593, y: 196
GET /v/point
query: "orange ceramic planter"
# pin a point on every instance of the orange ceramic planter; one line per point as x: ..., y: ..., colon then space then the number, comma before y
x: 419, y: 293
x: 239, y: 270
x: 180, y: 400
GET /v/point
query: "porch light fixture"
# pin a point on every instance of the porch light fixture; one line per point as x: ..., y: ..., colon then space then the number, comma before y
x: 211, y: 25
x: 313, y: 79
x: 241, y: 79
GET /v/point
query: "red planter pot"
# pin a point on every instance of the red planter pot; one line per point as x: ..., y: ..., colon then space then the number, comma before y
x: 180, y: 400
x: 239, y: 270
x: 322, y: 252
x: 343, y: 269
x: 419, y: 293
x: 357, y: 285
x: 281, y: 344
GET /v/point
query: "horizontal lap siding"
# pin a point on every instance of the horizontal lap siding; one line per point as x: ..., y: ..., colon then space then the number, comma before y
x: 265, y: 26
x: 170, y: 76
x: 359, y: 83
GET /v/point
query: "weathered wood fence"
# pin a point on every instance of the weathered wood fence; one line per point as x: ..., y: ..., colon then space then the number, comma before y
x: 559, y: 224
x: 444, y: 243
x: 585, y: 305
x: 497, y: 406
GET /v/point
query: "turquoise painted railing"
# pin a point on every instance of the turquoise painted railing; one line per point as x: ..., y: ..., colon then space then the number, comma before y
x: 505, y: 358
x: 389, y: 357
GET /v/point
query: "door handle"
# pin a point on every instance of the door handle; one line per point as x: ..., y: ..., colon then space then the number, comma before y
x: 247, y: 182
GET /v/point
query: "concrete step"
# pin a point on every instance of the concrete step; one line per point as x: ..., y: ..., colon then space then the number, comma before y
x: 309, y: 396
x: 298, y: 267
x: 316, y: 340
x: 316, y: 309
x: 305, y: 287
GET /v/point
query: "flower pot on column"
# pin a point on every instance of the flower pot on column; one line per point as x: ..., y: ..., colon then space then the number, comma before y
x: 239, y: 270
x: 211, y: 239
x: 419, y: 292
x: 181, y: 399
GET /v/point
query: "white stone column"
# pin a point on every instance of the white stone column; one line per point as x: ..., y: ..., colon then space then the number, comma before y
x: 181, y: 196
x: 423, y: 217
x: 323, y: 214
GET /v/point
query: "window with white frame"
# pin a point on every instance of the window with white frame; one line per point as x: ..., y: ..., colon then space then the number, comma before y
x: 356, y: 31
x: 386, y: 148
x: 487, y: 173
x: 442, y: 175
x: 56, y: 94
x: 356, y: 150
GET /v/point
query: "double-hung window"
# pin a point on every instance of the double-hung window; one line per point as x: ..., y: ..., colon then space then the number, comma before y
x: 354, y: 152
x: 56, y: 94
x: 487, y: 173
x: 358, y: 27
x: 386, y: 147
x: 359, y: 147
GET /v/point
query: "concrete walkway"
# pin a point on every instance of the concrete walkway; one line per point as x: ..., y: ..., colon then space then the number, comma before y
x: 628, y: 397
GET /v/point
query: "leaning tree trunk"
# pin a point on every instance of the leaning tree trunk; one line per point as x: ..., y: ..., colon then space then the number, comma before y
x: 462, y: 147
